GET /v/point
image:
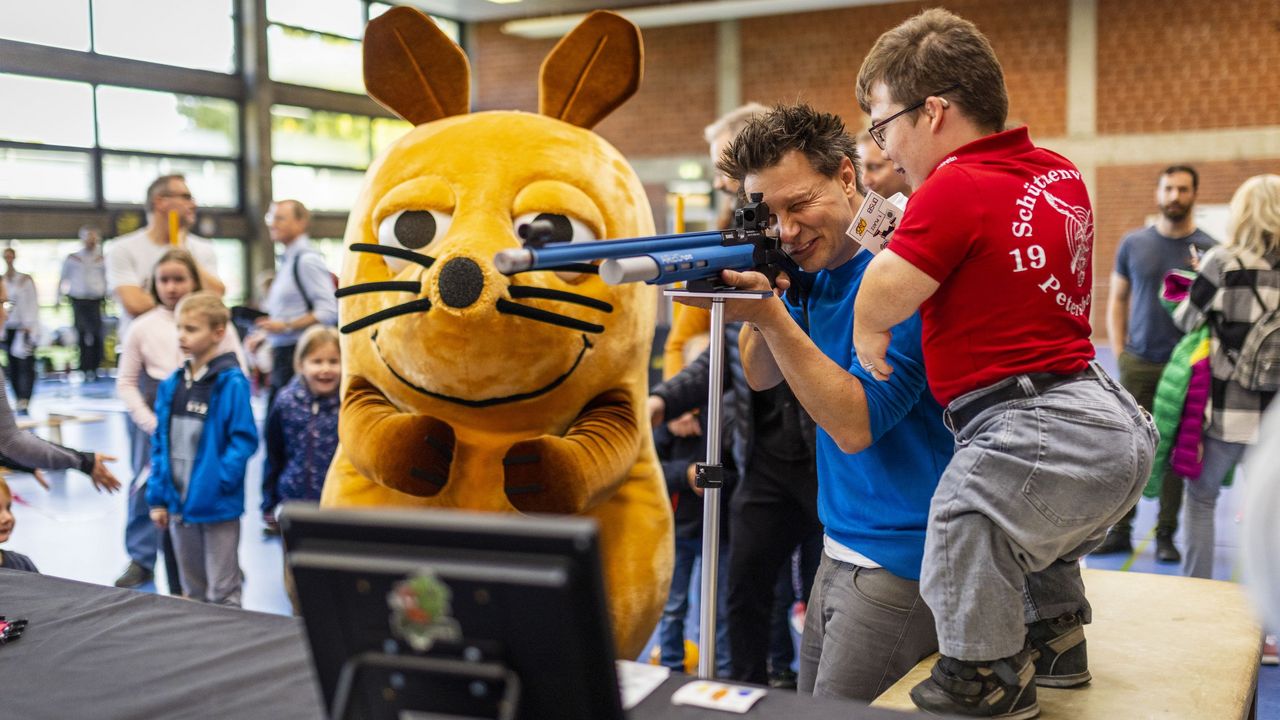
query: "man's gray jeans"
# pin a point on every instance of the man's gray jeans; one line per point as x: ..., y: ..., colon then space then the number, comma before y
x: 863, y: 630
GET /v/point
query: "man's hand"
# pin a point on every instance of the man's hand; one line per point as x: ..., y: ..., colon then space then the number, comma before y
x: 755, y: 311
x: 692, y: 474
x: 102, y: 478
x: 160, y: 517
x: 254, y: 341
x: 38, y: 474
x: 872, y: 348
x: 272, y: 325
x: 686, y: 425
x: 657, y: 410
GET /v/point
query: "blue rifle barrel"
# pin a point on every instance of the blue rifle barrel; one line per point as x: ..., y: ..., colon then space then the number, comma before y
x: 677, y: 265
x: 509, y: 262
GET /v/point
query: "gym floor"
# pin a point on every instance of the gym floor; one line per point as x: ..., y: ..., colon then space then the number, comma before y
x: 70, y: 531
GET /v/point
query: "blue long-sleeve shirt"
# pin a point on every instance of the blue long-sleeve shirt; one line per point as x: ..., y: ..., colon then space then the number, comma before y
x: 876, y: 502
x: 286, y: 299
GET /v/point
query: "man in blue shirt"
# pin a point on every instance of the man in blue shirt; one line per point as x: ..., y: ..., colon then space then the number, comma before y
x: 301, y: 294
x: 881, y: 445
x: 1142, y: 332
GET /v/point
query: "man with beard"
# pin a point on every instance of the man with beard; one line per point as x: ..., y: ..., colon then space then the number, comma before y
x: 1142, y: 332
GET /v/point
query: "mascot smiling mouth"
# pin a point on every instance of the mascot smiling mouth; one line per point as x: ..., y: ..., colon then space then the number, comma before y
x: 487, y: 402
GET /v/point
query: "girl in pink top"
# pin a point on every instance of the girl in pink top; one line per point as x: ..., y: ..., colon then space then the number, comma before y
x: 151, y: 345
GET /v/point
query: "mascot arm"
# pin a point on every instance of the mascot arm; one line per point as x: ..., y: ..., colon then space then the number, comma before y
x: 406, y: 452
x: 571, y: 474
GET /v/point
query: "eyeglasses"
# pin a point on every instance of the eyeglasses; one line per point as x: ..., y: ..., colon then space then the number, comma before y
x: 877, y: 129
x: 182, y: 196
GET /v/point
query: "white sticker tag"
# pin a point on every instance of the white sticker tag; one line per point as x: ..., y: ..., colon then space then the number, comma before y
x: 876, y: 220
x: 718, y: 696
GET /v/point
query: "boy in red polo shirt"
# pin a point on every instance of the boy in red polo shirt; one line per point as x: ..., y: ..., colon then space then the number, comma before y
x: 995, y: 249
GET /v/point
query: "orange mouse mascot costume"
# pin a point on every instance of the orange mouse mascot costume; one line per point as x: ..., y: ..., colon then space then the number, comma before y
x: 463, y: 388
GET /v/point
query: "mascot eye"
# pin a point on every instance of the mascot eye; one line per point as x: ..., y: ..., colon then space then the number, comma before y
x: 538, y: 229
x: 413, y: 229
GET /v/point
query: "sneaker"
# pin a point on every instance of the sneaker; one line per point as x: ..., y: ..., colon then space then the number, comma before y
x: 1059, y: 650
x: 797, y: 615
x: 133, y: 576
x: 1269, y: 656
x: 997, y: 689
x: 785, y: 680
x: 1166, y: 551
x: 1116, y: 541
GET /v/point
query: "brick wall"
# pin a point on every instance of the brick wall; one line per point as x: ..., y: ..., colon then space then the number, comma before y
x: 1163, y: 65
x: 676, y: 99
x: 1126, y: 196
x: 815, y: 56
x: 1167, y: 65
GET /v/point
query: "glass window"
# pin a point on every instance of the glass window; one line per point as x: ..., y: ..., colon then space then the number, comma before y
x: 320, y: 189
x: 130, y: 119
x: 125, y: 178
x: 332, y: 250
x: 387, y: 131
x: 231, y: 268
x: 307, y: 58
x: 42, y: 260
x: 302, y: 135
x: 57, y: 23
x: 339, y: 17
x: 450, y: 27
x: 46, y: 175
x: 199, y: 35
x: 50, y: 112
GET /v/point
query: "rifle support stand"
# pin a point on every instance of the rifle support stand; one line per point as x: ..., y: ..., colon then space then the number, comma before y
x: 710, y: 474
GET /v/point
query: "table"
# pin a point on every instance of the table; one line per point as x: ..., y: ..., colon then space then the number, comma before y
x: 104, y: 652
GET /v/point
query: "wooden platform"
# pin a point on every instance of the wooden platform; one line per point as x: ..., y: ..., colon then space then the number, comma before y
x: 1159, y: 647
x: 55, y: 421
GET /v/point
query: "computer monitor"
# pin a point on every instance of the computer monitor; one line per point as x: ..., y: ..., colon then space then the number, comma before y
x: 430, y: 613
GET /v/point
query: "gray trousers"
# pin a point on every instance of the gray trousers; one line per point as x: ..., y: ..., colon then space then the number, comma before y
x: 1033, y: 486
x: 1202, y: 502
x: 863, y: 630
x: 209, y: 560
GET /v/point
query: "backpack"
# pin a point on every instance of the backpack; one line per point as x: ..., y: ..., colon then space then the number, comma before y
x: 297, y: 281
x: 1257, y: 364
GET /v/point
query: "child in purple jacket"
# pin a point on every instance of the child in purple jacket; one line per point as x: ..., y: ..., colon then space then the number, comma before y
x: 302, y: 425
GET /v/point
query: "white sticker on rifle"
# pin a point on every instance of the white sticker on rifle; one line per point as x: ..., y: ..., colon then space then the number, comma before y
x: 876, y: 220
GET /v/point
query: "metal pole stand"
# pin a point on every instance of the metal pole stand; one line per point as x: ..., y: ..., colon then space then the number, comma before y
x: 710, y: 474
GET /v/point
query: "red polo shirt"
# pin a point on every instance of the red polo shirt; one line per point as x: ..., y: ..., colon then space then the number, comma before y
x: 1006, y: 228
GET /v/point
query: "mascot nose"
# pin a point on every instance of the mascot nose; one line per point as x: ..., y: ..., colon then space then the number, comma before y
x: 461, y: 282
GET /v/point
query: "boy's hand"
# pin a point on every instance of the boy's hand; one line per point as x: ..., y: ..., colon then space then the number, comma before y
x: 160, y: 517
x: 102, y: 478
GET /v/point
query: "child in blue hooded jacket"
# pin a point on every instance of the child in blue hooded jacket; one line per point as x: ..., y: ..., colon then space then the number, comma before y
x: 205, y: 435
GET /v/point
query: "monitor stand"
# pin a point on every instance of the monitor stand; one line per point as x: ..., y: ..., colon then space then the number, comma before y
x: 411, y: 687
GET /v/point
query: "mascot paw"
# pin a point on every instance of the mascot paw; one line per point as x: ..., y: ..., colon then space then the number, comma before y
x: 418, y: 458
x: 540, y: 477
x: 568, y: 474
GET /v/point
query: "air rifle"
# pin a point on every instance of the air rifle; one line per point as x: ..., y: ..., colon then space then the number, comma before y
x: 695, y: 258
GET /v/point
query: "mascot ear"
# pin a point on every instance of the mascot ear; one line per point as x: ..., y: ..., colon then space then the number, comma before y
x: 413, y: 69
x: 592, y: 70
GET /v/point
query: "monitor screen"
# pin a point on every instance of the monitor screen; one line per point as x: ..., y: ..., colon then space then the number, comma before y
x: 453, y: 613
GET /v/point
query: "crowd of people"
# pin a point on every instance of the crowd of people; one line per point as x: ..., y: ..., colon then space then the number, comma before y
x: 913, y: 463
x: 969, y: 448
x: 182, y: 376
